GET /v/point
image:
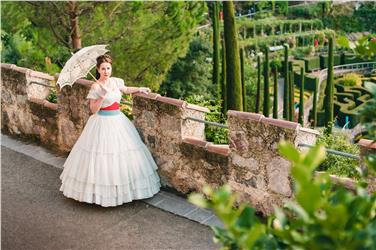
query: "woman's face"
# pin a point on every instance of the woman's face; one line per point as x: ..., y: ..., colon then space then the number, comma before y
x: 105, y: 70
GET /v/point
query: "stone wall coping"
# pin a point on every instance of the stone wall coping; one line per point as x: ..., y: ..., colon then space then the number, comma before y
x: 245, y: 115
x: 172, y: 101
x: 29, y: 72
x: 15, y: 68
x: 208, y: 146
x: 219, y: 149
x: 282, y: 123
x: 262, y: 118
x: 349, y: 183
x: 152, y: 96
x: 368, y: 144
x: 197, y: 107
x: 44, y: 103
x: 309, y: 130
x: 196, y: 141
x: 41, y: 75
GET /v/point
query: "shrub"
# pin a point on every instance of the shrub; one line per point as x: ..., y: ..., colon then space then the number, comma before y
x: 351, y: 79
x: 336, y: 164
x: 320, y: 217
x: 213, y: 134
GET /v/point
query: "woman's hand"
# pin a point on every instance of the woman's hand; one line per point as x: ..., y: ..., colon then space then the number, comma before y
x: 144, y: 90
x: 104, y: 90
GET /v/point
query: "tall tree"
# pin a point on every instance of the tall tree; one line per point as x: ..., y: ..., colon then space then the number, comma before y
x: 291, y: 94
x: 314, y: 108
x: 258, y: 91
x: 242, y: 77
x: 266, y: 84
x: 286, y: 83
x: 329, y: 91
x: 301, y: 97
x: 138, y: 58
x: 275, y: 92
x: 216, y: 42
x: 223, y: 79
x: 233, y: 82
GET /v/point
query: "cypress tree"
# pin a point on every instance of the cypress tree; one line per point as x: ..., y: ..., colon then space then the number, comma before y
x: 301, y: 98
x: 223, y: 80
x: 233, y: 81
x: 329, y: 90
x: 266, y: 84
x: 314, y: 108
x: 215, y: 23
x: 291, y: 94
x: 258, y: 93
x: 242, y: 77
x: 286, y: 84
x: 275, y: 98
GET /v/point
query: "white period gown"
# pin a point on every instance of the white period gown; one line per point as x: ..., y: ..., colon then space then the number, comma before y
x: 109, y: 164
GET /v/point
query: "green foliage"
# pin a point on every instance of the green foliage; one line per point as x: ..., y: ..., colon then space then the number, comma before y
x: 233, y: 81
x: 145, y: 38
x: 336, y: 164
x: 364, y: 47
x: 213, y: 134
x: 22, y: 42
x: 351, y: 79
x: 286, y: 91
x: 329, y: 91
x: 319, y: 218
x: 301, y: 97
x: 266, y: 106
x: 192, y: 74
x: 216, y: 42
x: 368, y: 117
x: 52, y: 97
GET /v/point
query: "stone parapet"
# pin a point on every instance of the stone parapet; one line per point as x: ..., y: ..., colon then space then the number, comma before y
x: 256, y: 169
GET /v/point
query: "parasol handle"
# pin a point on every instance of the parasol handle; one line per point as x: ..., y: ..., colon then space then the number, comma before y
x: 93, y: 76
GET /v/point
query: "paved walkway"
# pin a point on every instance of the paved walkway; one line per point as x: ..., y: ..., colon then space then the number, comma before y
x: 35, y: 214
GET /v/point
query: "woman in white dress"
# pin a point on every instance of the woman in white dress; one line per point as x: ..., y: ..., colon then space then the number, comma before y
x: 109, y: 164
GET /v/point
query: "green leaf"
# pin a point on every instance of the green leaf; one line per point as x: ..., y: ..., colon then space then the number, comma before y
x: 198, y: 200
x: 287, y: 150
x: 343, y: 41
x: 314, y: 157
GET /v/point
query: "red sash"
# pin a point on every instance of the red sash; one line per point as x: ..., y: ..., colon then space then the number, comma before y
x: 113, y: 106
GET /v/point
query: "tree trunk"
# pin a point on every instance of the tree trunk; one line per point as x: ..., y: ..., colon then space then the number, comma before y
x: 75, y: 28
x: 233, y: 81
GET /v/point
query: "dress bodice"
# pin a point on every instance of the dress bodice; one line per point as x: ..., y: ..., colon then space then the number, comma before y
x: 114, y: 95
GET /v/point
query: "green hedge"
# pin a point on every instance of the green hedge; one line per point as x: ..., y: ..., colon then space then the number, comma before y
x: 324, y: 61
x: 309, y: 81
x: 351, y: 58
x: 311, y: 63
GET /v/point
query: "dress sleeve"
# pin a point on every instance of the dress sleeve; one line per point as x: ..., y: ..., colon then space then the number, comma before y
x: 93, y: 93
x: 121, y: 85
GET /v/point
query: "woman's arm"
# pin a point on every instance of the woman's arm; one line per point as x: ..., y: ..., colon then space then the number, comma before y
x: 95, y: 104
x: 133, y: 90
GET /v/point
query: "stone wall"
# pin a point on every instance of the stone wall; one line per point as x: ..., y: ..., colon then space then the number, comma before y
x: 250, y: 164
x: 27, y: 114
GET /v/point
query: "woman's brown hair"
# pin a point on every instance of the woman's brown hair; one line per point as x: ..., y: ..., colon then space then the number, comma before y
x: 101, y: 59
